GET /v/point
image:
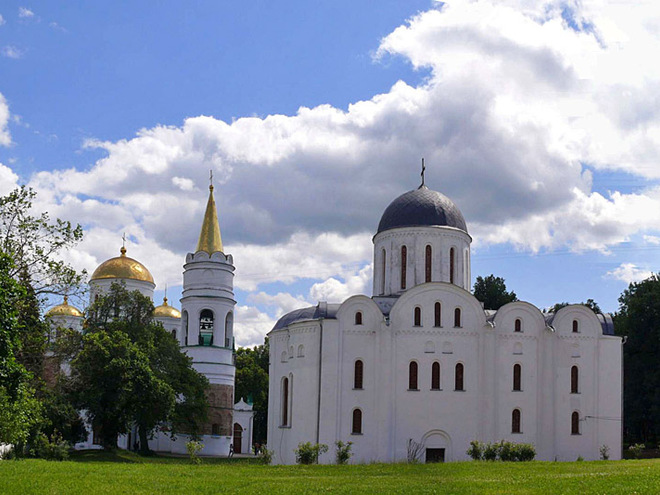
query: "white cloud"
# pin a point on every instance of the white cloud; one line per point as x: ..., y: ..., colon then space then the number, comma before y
x: 5, y: 137
x: 251, y: 326
x: 11, y: 51
x: 25, y: 13
x: 183, y: 183
x: 2, y: 20
x: 652, y: 239
x: 333, y: 290
x: 629, y: 272
x: 8, y: 180
x: 55, y: 26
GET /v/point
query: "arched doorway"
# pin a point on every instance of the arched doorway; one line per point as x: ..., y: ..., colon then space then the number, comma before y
x: 437, y: 444
x: 238, y: 438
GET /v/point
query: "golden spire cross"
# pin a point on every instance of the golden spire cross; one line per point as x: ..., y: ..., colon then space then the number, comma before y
x: 211, y: 179
x: 123, y: 240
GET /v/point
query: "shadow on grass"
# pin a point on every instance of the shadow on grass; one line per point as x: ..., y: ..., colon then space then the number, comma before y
x: 127, y: 457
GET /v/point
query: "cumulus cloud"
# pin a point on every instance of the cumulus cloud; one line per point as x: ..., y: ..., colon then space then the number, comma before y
x: 524, y: 103
x: 251, y: 325
x: 629, y: 272
x: 5, y: 137
x: 8, y: 180
x: 2, y: 20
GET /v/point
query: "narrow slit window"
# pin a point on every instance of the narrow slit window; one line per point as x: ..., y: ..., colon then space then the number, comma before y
x: 435, y: 376
x: 518, y: 325
x: 404, y: 261
x: 412, y: 376
x: 458, y: 377
x: 358, y: 375
x: 285, y: 401
x: 358, y: 317
x: 575, y: 375
x: 452, y: 261
x: 575, y: 423
x: 515, y: 421
x: 384, y: 266
x: 417, y: 317
x: 457, y: 317
x: 517, y: 382
x: 575, y: 326
x: 357, y: 422
x: 428, y: 265
x: 438, y: 315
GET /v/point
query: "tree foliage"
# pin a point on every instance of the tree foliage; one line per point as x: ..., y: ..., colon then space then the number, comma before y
x: 35, y: 242
x: 638, y: 318
x: 491, y: 291
x: 590, y: 303
x: 131, y: 370
x: 252, y: 383
x: 19, y: 410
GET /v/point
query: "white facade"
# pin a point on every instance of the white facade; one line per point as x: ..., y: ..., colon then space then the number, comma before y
x: 567, y: 390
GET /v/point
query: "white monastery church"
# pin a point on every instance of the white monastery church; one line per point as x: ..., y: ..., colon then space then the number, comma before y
x: 203, y: 328
x: 421, y: 362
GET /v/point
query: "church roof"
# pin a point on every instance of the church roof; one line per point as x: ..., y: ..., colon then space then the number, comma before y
x: 210, y: 240
x: 64, y: 309
x: 422, y: 207
x: 321, y: 310
x: 122, y: 267
x: 166, y: 311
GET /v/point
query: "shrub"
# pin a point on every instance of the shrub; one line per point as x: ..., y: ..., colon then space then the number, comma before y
x: 476, y: 450
x: 343, y: 452
x: 51, y: 449
x: 579, y: 459
x: 604, y: 453
x: 414, y: 451
x: 194, y: 447
x: 265, y: 455
x: 501, y: 451
x: 636, y: 450
x: 308, y: 453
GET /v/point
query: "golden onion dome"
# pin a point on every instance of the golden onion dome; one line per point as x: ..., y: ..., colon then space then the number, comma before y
x: 166, y: 311
x: 122, y: 267
x: 64, y: 309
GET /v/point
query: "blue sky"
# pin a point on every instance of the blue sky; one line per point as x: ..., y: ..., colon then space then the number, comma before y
x: 541, y: 121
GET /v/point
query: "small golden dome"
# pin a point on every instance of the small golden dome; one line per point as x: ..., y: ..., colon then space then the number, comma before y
x: 166, y: 311
x: 122, y: 267
x: 64, y: 309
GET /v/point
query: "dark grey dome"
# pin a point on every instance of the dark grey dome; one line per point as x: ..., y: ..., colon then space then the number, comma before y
x: 421, y: 207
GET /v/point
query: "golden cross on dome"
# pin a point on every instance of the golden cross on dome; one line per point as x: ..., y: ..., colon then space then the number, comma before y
x: 211, y: 179
x: 123, y: 240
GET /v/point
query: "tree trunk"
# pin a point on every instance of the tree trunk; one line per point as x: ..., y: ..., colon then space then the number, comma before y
x: 144, y: 441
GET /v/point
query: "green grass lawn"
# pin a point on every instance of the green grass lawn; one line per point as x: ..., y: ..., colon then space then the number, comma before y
x: 91, y: 473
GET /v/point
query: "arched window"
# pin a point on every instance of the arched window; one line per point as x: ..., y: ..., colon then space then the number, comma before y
x: 518, y: 325
x: 417, y: 317
x: 285, y: 401
x: 435, y: 376
x: 438, y: 315
x: 301, y: 350
x: 575, y: 423
x: 575, y: 375
x: 412, y: 376
x: 174, y: 333
x: 184, y: 324
x: 452, y: 261
x: 357, y: 422
x: 517, y: 371
x: 428, y: 265
x: 384, y: 266
x: 458, y: 377
x: 206, y: 327
x: 358, y: 317
x: 404, y: 261
x: 457, y: 317
x: 284, y: 357
x: 575, y: 326
x: 229, y: 328
x: 358, y: 375
x: 215, y: 429
x: 515, y: 421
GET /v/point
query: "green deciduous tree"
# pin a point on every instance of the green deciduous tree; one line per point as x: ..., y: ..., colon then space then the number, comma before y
x: 252, y: 382
x: 20, y: 412
x: 590, y: 303
x: 491, y: 291
x: 638, y: 318
x: 131, y: 371
x: 34, y: 243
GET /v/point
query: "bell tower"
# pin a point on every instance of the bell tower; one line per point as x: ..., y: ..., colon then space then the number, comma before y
x: 207, y: 320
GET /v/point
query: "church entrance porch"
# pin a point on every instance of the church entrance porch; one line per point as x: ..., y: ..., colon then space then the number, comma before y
x: 435, y: 455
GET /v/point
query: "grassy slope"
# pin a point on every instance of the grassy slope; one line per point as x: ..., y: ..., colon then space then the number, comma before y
x: 127, y: 473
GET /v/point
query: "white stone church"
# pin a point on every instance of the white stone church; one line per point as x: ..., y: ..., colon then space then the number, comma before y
x: 203, y: 328
x: 421, y: 362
